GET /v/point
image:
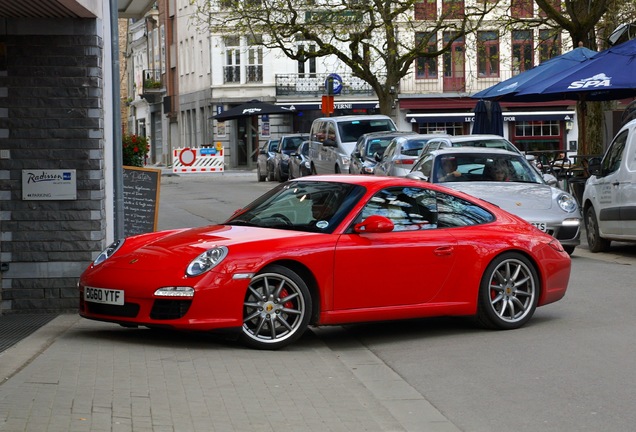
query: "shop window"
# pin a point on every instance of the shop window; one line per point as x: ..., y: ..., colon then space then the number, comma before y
x: 456, y: 128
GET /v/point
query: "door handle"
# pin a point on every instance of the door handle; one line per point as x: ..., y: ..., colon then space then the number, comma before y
x: 444, y: 250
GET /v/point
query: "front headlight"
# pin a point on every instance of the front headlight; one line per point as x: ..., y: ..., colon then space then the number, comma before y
x: 108, y: 252
x: 206, y: 261
x: 567, y: 203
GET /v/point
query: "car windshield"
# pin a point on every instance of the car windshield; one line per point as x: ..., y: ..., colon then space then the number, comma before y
x: 301, y: 205
x: 484, y: 167
x: 350, y: 131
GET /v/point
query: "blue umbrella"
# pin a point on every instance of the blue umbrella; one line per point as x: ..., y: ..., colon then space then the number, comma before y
x: 481, y: 124
x: 509, y: 89
x: 608, y: 75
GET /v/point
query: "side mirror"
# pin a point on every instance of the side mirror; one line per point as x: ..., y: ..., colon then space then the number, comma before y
x: 374, y: 224
x: 417, y: 175
x: 551, y: 180
x: 595, y: 168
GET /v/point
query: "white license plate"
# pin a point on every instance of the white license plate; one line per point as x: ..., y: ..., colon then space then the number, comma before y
x: 105, y: 296
x: 541, y: 225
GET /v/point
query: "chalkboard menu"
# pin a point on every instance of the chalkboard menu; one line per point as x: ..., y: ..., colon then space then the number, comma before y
x: 141, y: 199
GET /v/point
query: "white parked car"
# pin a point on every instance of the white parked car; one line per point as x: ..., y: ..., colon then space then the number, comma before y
x: 609, y: 198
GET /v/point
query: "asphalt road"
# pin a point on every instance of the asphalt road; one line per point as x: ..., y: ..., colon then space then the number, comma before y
x: 570, y: 369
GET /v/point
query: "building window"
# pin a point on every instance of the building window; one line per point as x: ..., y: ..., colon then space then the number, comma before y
x: 453, y: 9
x: 487, y: 54
x: 232, y: 67
x: 537, y: 128
x: 522, y: 51
x: 556, y: 4
x: 522, y: 8
x: 426, y: 10
x: 307, y: 68
x: 549, y: 44
x: 455, y: 128
x: 426, y: 67
x: 254, y: 60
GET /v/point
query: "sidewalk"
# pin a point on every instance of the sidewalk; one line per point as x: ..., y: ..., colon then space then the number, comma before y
x: 79, y: 375
x: 74, y: 374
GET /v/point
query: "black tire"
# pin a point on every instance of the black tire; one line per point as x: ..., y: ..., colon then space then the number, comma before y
x: 569, y: 249
x: 276, y: 309
x: 270, y: 175
x: 508, y: 293
x: 594, y: 240
x: 313, y: 170
x: 337, y: 169
x: 259, y: 175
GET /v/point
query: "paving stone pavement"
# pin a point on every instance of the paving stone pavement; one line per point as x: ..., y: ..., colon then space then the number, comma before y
x: 79, y: 375
x: 74, y: 374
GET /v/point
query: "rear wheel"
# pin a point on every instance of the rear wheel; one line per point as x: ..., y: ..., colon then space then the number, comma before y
x: 260, y: 176
x: 509, y: 292
x: 594, y: 240
x: 276, y: 309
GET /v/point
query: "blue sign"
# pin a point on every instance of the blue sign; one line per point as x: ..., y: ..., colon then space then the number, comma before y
x: 337, y: 83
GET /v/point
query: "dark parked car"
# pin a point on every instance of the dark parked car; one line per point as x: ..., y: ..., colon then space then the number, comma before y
x: 299, y: 163
x: 264, y: 162
x: 288, y: 144
x: 363, y: 157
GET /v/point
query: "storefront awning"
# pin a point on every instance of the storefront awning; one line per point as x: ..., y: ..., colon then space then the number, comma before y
x: 508, y: 116
x: 339, y: 105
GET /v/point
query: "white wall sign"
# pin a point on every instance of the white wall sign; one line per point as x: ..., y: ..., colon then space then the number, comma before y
x: 41, y: 184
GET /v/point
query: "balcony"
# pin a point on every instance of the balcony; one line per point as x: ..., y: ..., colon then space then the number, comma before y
x: 152, y: 82
x: 313, y: 85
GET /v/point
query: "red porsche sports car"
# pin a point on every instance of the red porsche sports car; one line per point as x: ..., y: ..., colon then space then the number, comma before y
x: 331, y: 250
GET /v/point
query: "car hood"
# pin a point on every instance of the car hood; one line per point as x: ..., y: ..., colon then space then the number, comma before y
x: 512, y: 197
x: 177, y: 249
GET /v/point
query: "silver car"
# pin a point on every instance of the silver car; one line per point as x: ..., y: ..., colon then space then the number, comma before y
x: 508, y: 180
x: 401, y: 153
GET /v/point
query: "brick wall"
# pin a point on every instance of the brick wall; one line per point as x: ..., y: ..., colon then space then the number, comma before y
x: 51, y: 117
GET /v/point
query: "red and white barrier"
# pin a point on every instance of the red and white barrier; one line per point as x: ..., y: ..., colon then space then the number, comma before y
x: 198, y: 160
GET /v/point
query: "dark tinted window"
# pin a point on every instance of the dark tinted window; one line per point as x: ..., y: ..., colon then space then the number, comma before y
x: 456, y: 212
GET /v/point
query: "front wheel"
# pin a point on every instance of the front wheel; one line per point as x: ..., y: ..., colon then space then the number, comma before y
x: 509, y: 292
x: 592, y: 231
x: 276, y: 309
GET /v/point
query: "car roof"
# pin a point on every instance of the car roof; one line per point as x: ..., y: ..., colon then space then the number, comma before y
x: 292, y: 135
x: 473, y: 137
x: 356, y: 117
x: 472, y: 150
x: 382, y: 134
x: 426, y: 136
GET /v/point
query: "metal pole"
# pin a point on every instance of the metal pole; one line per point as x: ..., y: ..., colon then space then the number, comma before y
x: 118, y: 160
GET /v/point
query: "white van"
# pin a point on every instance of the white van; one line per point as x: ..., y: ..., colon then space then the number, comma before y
x: 609, y: 199
x: 332, y: 140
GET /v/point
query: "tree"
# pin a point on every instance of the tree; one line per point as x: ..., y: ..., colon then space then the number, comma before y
x: 375, y: 39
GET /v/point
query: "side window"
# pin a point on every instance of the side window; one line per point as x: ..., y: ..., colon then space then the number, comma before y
x: 330, y: 131
x: 425, y: 166
x: 409, y: 209
x: 318, y: 132
x: 456, y: 212
x: 612, y: 160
